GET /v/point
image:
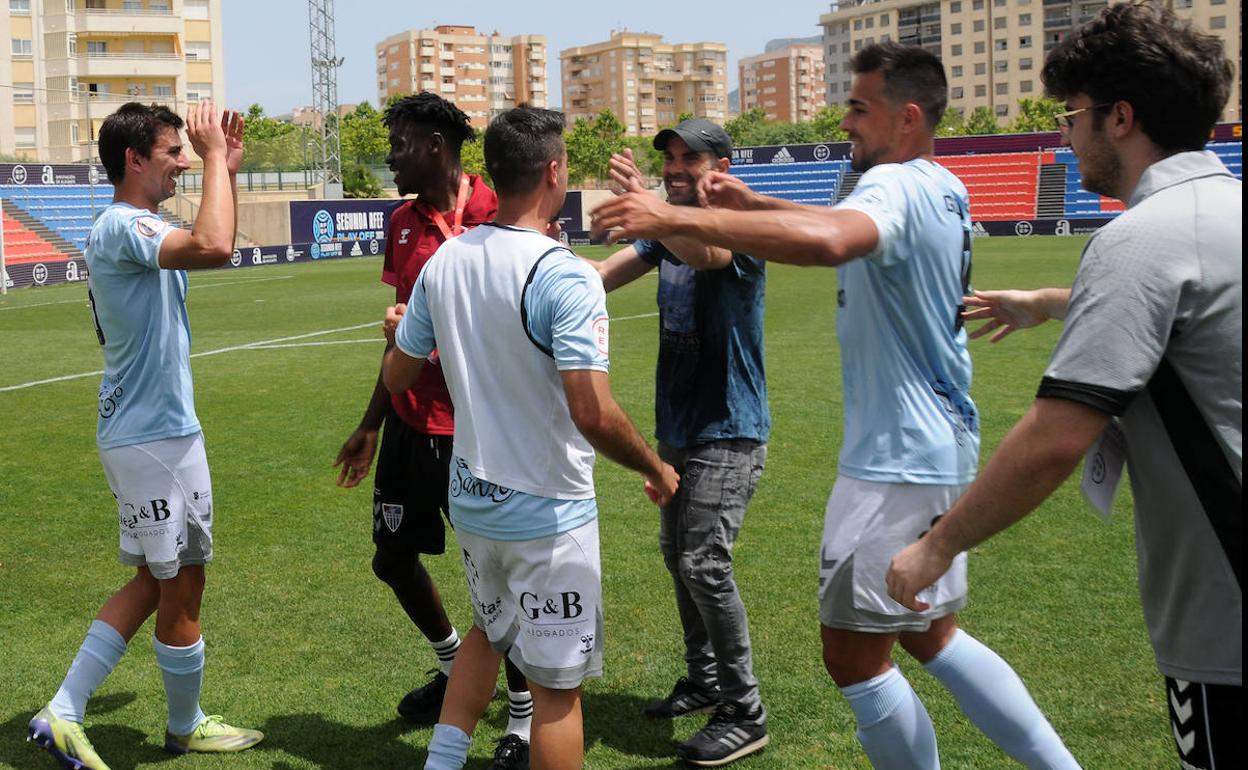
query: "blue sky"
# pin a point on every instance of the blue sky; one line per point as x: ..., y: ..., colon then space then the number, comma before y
x: 267, y: 56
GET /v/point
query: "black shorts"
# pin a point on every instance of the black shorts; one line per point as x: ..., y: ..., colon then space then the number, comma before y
x: 1205, y: 720
x: 409, y: 489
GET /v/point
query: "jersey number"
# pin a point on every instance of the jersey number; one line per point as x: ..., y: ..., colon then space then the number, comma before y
x: 966, y: 280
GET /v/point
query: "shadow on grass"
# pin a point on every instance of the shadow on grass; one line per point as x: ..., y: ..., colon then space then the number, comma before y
x: 123, y: 747
x: 335, y: 746
x: 615, y: 721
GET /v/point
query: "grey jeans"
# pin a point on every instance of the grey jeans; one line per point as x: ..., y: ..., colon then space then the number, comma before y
x: 696, y: 534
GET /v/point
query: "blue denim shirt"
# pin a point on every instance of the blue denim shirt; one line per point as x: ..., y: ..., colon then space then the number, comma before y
x: 710, y: 384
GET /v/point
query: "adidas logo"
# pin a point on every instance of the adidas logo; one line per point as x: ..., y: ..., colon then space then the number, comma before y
x: 978, y: 230
x: 8, y: 282
x: 356, y: 250
x: 783, y: 156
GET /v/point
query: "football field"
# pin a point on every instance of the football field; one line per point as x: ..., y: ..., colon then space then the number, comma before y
x: 306, y: 644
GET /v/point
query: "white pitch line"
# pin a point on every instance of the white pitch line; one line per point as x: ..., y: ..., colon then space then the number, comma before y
x: 231, y: 349
x: 312, y: 344
x: 635, y: 317
x: 44, y: 304
x: 193, y: 286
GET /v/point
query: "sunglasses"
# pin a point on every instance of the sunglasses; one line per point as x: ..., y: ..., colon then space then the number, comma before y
x: 1066, y: 120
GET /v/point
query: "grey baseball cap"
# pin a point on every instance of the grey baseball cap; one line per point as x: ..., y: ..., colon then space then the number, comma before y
x: 700, y: 134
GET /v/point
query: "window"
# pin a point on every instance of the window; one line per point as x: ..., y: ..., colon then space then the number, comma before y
x: 24, y: 136
x: 1024, y: 41
x: 1024, y: 19
x: 72, y: 44
x: 1001, y: 66
x: 19, y: 7
x: 957, y: 70
x: 24, y: 92
x: 96, y: 47
x: 956, y: 92
x: 999, y: 22
x: 1003, y: 110
x: 1024, y: 64
x: 1003, y: 89
x: 163, y: 92
x: 74, y: 135
x: 978, y: 25
x: 870, y: 22
x: 198, y: 50
x: 1217, y: 22
x: 883, y: 19
x: 998, y: 3
x: 955, y: 28
x: 132, y: 5
x: 977, y: 5
x: 1000, y: 45
x: 857, y: 24
x: 979, y: 47
x: 198, y: 91
x: 1025, y: 86
x: 956, y: 50
x: 955, y: 7
x: 981, y: 68
x: 981, y: 91
x: 21, y: 47
x: 1182, y: 3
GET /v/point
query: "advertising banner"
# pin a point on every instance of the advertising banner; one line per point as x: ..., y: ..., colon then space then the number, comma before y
x: 1027, y: 227
x: 341, y: 221
x: 44, y: 174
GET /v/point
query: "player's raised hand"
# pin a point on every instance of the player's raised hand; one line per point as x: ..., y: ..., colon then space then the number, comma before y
x: 232, y: 126
x: 717, y: 189
x: 1004, y: 311
x: 662, y: 488
x: 632, y: 215
x: 355, y: 457
x: 914, y: 568
x: 204, y: 130
x: 625, y: 176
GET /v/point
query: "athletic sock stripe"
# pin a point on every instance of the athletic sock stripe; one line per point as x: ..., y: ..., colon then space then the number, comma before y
x: 446, y: 646
x: 520, y: 713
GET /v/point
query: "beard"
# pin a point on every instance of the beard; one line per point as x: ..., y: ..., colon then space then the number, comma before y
x: 1100, y: 167
x: 686, y: 197
x: 860, y: 160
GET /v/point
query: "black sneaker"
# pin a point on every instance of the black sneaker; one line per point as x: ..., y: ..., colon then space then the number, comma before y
x: 512, y: 754
x: 686, y: 698
x: 729, y: 736
x: 424, y: 704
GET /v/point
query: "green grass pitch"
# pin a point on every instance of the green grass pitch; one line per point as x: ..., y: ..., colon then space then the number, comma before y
x: 304, y: 643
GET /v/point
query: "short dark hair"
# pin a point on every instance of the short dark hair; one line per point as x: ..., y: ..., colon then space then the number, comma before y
x: 432, y: 112
x: 911, y: 74
x: 1176, y: 79
x: 518, y: 145
x: 133, y: 126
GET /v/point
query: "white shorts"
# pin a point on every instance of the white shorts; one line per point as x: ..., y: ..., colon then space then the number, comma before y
x: 539, y: 602
x: 164, y: 503
x: 865, y: 525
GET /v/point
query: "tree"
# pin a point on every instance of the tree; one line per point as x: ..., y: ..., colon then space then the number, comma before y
x: 952, y: 123
x: 472, y: 160
x: 982, y: 122
x: 364, y: 137
x: 747, y: 128
x: 590, y: 145
x: 271, y: 143
x: 1036, y: 115
x: 826, y: 125
x: 359, y: 182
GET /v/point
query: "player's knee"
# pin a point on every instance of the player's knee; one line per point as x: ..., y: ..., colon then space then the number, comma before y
x: 391, y: 568
x: 847, y: 669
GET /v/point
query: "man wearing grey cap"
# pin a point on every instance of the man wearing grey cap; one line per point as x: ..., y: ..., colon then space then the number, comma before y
x: 712, y: 423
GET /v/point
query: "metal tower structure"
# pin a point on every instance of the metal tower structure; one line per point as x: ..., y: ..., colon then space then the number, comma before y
x: 325, y: 64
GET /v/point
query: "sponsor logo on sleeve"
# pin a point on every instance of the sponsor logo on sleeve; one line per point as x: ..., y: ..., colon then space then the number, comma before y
x: 150, y: 227
x: 602, y: 333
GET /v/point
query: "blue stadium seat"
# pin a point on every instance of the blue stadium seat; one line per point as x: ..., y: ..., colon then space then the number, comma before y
x: 811, y: 183
x: 67, y: 210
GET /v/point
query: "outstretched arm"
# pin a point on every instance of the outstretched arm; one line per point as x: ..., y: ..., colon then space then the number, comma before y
x: 1032, y: 461
x: 1010, y: 310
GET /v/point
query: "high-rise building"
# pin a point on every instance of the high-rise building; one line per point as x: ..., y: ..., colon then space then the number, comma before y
x: 993, y: 50
x: 482, y: 74
x: 70, y: 63
x: 645, y: 82
x: 787, y: 82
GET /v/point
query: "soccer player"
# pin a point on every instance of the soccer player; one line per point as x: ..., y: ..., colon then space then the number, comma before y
x: 1153, y: 337
x: 427, y: 133
x: 712, y: 423
x: 148, y: 435
x: 901, y: 242
x: 521, y: 328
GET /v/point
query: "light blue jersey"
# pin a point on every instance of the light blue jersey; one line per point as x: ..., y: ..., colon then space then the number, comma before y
x: 906, y: 377
x: 140, y: 320
x: 564, y: 317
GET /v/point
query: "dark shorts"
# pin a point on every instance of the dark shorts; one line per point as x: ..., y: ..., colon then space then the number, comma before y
x: 409, y: 489
x: 1205, y: 720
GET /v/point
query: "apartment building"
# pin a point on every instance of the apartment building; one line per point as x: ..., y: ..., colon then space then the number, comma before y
x: 993, y: 50
x: 482, y: 74
x: 787, y: 82
x: 644, y: 81
x: 69, y: 64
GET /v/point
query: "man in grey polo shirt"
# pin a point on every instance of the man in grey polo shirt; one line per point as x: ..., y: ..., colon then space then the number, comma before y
x: 1152, y: 337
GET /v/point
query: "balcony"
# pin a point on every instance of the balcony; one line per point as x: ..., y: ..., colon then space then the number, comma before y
x: 121, y: 21
x: 127, y: 64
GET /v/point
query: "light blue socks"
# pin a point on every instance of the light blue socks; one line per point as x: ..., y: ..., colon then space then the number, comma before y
x: 893, y: 726
x: 449, y: 748
x: 183, y: 671
x: 993, y: 697
x: 97, y: 657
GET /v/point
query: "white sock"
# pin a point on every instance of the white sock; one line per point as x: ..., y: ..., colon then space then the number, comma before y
x: 448, y: 750
x: 519, y: 713
x: 182, y: 668
x: 893, y: 726
x: 446, y: 651
x: 98, y: 655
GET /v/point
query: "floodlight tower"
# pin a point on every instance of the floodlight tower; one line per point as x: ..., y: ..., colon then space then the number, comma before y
x: 325, y: 64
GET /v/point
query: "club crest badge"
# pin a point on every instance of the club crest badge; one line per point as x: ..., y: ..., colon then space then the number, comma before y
x: 392, y: 515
